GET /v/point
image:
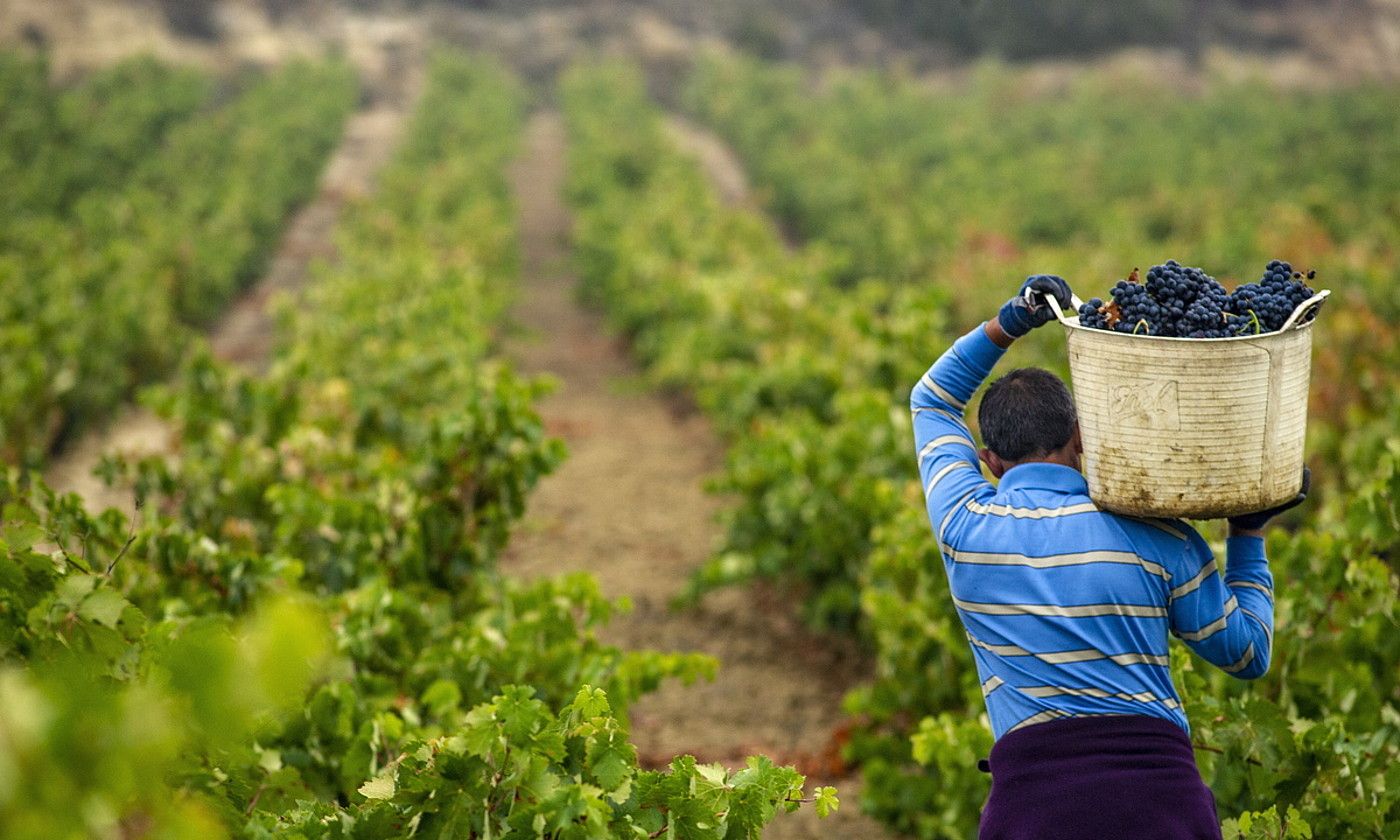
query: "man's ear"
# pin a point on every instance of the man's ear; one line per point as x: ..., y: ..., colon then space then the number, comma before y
x: 994, y: 463
x: 1078, y: 443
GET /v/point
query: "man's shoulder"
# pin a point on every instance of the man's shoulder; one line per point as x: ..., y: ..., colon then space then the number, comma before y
x: 1025, y: 509
x: 1165, y: 540
x: 1036, y: 503
x: 1176, y: 529
x: 1075, y: 508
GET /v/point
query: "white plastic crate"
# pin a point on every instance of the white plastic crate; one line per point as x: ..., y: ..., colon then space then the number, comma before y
x: 1192, y: 427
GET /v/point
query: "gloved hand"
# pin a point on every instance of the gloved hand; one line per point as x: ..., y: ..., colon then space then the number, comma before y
x: 1258, y: 519
x: 1019, y: 317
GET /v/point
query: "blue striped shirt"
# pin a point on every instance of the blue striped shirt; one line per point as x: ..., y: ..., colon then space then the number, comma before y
x: 1068, y: 607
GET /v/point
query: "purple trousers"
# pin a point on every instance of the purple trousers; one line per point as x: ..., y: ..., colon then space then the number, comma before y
x: 1098, y: 778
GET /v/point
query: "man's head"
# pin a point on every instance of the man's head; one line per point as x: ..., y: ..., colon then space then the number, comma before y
x: 1028, y: 415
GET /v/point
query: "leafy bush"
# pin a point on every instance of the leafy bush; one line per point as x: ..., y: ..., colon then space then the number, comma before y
x: 114, y: 249
x: 307, y: 611
x: 57, y: 146
x: 892, y: 186
x: 978, y: 187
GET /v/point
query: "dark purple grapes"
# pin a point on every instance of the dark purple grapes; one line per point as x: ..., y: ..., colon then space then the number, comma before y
x: 1180, y: 301
x: 1270, y: 300
x: 1090, y: 316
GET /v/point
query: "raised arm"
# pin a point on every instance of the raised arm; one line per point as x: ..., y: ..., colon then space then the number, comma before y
x: 948, y: 466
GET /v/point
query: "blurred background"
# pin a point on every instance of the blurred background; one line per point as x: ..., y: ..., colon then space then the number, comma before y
x: 1299, y: 42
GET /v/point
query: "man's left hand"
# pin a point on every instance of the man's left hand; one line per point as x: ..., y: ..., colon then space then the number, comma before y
x: 1019, y: 316
x: 1252, y: 523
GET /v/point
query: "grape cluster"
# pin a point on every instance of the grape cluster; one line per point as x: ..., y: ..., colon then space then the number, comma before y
x: 1271, y: 300
x: 1184, y: 302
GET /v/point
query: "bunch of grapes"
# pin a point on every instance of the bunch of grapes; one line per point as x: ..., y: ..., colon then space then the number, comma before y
x: 1271, y: 300
x: 1185, y: 302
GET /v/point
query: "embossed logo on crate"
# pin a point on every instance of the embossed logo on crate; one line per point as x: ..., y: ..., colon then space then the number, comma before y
x: 1146, y: 406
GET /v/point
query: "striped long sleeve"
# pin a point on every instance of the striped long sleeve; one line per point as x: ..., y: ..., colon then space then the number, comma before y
x: 948, y: 465
x: 1228, y: 620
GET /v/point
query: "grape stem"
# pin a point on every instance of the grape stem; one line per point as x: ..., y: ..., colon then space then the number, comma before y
x: 1146, y: 327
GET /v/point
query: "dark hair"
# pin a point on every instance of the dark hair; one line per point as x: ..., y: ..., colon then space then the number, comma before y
x: 1027, y: 413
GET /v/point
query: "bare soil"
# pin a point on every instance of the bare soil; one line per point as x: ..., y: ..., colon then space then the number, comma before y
x: 720, y: 163
x: 627, y: 506
x: 246, y: 334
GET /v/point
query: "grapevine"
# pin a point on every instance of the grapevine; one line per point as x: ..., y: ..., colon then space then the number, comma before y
x: 953, y: 193
x: 307, y: 634
x: 111, y: 253
x: 304, y: 631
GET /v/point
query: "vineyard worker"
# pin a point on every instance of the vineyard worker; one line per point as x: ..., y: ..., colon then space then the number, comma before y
x: 1068, y: 607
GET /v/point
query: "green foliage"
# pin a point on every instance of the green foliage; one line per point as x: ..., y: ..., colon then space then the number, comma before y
x: 112, y: 701
x: 1109, y: 172
x: 137, y: 219
x: 949, y: 747
x: 516, y: 768
x: 992, y: 183
x: 924, y: 666
x: 307, y: 609
x: 791, y: 366
x: 58, y: 146
x: 890, y: 184
x: 1268, y: 825
x: 83, y: 756
x: 822, y: 482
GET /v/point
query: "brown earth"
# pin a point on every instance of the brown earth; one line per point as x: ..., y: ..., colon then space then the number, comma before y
x: 246, y: 334
x: 721, y: 165
x: 627, y: 506
x: 726, y: 173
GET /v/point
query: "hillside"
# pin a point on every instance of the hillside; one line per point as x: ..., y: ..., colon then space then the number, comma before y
x: 1292, y: 43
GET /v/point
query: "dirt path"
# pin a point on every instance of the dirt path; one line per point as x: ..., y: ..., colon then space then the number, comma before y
x: 721, y: 165
x: 246, y: 333
x: 725, y: 171
x: 627, y: 505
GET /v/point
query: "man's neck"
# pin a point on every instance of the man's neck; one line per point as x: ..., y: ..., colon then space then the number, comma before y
x: 1058, y: 458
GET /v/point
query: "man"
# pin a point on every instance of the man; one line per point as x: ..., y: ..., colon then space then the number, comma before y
x: 1068, y: 607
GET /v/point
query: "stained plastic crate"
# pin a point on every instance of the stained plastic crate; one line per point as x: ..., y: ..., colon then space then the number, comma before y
x: 1192, y: 427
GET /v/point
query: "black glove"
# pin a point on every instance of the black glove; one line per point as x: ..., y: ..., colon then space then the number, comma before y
x: 1019, y: 316
x: 1255, y: 521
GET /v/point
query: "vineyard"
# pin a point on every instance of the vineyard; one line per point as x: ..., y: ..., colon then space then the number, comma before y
x: 311, y: 624
x: 110, y: 254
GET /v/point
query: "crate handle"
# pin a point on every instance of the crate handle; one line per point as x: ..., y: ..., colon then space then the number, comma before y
x: 1039, y: 299
x: 1302, y: 309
